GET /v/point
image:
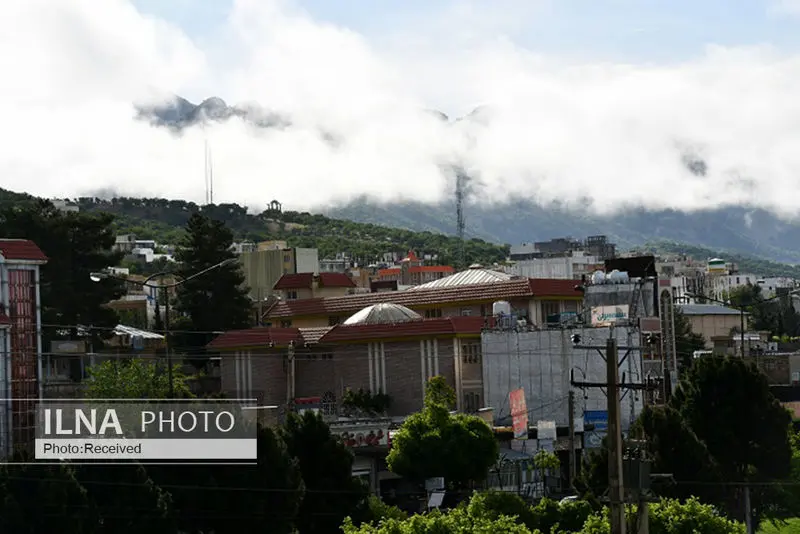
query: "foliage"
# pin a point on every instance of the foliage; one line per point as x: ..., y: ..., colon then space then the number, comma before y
x: 670, y: 516
x: 430, y: 443
x: 126, y: 499
x: 365, y: 402
x: 76, y: 244
x: 42, y: 499
x: 326, y: 468
x: 375, y: 510
x: 746, y: 263
x: 728, y: 404
x: 215, y: 301
x: 776, y: 316
x: 544, y: 459
x: 162, y: 220
x: 457, y: 521
x: 134, y: 379
x: 686, y: 341
x: 237, y: 499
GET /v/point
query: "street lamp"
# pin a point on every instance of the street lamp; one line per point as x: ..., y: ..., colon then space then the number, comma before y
x: 741, y: 310
x: 100, y: 276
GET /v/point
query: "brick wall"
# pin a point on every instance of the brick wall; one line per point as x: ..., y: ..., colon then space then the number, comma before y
x: 268, y: 376
x: 776, y: 368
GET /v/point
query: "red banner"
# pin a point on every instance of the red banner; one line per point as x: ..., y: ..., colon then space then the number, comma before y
x: 519, y: 413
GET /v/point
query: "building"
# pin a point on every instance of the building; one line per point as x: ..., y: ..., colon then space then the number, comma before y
x: 21, y: 341
x: 573, y: 265
x: 713, y: 322
x: 264, y: 267
x: 313, y: 285
x: 468, y: 293
x: 413, y: 272
x: 543, y: 363
x: 597, y: 246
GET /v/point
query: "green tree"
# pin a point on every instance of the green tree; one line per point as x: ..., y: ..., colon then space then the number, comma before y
x: 216, y: 301
x: 126, y: 499
x: 238, y: 499
x: 326, y: 466
x: 76, y: 244
x: 134, y: 378
x: 430, y: 443
x: 456, y: 521
x: 686, y: 341
x: 43, y: 499
x: 674, y: 517
x: 728, y: 405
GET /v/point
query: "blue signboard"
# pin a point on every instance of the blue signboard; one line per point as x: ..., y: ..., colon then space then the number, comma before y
x: 598, y: 418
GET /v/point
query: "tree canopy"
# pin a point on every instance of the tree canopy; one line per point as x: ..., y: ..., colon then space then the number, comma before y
x: 432, y: 443
x: 134, y: 378
x: 215, y: 301
x: 686, y: 340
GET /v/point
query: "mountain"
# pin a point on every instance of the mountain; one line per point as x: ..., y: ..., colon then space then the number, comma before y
x: 741, y: 230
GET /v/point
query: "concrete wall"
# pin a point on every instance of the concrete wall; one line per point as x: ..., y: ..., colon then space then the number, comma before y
x: 306, y: 260
x: 711, y: 326
x: 621, y: 294
x: 540, y: 362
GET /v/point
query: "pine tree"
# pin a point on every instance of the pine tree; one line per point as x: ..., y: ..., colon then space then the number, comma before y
x: 215, y: 301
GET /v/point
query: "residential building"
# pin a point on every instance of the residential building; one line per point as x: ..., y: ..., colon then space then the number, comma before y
x: 597, y: 246
x: 313, y: 285
x: 125, y: 243
x: 412, y: 271
x: 21, y: 342
x: 712, y: 321
x: 339, y: 264
x: 468, y: 293
x: 265, y: 266
x: 243, y: 246
x: 573, y: 265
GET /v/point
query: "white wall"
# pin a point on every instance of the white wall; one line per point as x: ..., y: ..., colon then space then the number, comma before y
x: 307, y: 260
x: 540, y: 362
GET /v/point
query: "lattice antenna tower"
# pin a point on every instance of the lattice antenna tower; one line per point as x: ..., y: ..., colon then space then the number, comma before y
x: 460, y: 180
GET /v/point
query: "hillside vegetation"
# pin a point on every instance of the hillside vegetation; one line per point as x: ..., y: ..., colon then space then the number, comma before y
x: 164, y: 220
x: 746, y: 264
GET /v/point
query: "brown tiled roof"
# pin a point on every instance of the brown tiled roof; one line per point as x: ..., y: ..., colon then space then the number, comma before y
x: 306, y: 280
x: 444, y: 326
x: 21, y: 249
x: 510, y: 289
x: 313, y: 335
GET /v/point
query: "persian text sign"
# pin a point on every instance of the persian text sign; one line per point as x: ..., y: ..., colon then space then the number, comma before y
x: 519, y: 413
x: 146, y: 431
x: 608, y: 315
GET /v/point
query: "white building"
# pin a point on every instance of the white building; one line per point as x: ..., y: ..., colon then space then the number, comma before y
x: 571, y: 266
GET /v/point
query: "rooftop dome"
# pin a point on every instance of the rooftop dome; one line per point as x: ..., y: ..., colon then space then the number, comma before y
x: 474, y: 275
x: 383, y: 313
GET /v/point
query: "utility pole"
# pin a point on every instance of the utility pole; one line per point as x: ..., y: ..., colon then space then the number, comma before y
x: 748, y: 511
x: 573, y: 467
x: 616, y: 491
x: 167, y: 344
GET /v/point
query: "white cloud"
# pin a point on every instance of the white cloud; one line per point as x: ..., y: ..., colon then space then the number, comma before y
x: 785, y: 7
x: 551, y: 130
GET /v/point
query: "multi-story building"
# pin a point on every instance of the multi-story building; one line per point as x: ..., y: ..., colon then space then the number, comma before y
x: 597, y: 246
x: 20, y: 342
x: 468, y: 293
x: 313, y: 285
x: 572, y: 265
x: 264, y: 267
x: 413, y: 272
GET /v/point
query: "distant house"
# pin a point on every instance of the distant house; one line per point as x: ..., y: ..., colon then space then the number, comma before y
x: 712, y: 321
x: 311, y: 285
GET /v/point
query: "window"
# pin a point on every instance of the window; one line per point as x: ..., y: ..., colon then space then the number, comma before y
x: 291, y: 295
x: 287, y: 258
x: 333, y: 320
x: 286, y: 324
x: 466, y: 312
x: 472, y: 402
x: 328, y: 404
x: 471, y: 353
x: 550, y: 307
x: 433, y: 314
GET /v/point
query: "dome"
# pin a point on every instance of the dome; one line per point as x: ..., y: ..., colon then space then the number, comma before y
x: 384, y: 313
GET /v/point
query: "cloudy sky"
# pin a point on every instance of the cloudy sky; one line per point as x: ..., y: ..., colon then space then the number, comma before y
x: 579, y: 99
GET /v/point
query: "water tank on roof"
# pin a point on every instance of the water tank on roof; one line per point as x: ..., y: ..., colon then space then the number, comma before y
x: 618, y: 277
x: 598, y: 277
x: 501, y: 308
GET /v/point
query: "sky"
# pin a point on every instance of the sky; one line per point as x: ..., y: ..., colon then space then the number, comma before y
x: 578, y: 100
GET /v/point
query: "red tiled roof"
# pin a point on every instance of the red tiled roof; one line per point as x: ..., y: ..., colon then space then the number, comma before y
x: 418, y: 269
x: 443, y: 326
x: 511, y: 289
x: 306, y: 280
x: 21, y: 249
x: 256, y: 337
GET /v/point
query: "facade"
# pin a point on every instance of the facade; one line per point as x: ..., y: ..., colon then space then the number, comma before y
x: 21, y: 341
x: 597, y: 246
x: 543, y: 362
x: 412, y: 272
x: 311, y: 285
x: 712, y: 321
x: 531, y: 301
x: 573, y: 266
x: 264, y: 267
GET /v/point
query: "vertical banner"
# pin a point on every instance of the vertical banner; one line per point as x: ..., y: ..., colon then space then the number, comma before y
x: 519, y: 413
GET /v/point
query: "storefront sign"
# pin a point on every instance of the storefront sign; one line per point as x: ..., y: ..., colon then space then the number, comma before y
x: 357, y: 437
